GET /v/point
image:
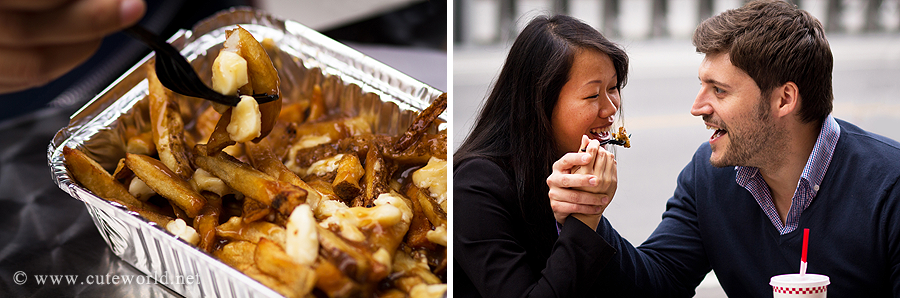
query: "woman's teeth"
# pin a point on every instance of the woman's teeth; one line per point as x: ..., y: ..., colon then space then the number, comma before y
x: 599, y: 133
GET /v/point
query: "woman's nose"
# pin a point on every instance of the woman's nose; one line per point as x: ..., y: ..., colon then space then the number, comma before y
x: 608, y: 107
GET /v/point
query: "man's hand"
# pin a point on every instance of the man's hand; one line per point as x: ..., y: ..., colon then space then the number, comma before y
x: 585, y: 196
x: 40, y: 40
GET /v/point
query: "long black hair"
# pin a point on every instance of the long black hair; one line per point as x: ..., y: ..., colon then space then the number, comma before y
x: 513, y: 127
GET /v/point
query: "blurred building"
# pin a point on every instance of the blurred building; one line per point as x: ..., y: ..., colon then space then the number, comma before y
x: 498, y: 21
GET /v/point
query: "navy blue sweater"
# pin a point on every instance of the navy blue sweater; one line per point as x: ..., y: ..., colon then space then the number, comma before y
x: 713, y: 223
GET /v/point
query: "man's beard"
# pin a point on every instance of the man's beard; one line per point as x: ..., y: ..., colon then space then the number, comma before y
x: 756, y: 143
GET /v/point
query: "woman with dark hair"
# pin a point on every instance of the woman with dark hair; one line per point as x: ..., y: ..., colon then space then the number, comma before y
x: 557, y: 92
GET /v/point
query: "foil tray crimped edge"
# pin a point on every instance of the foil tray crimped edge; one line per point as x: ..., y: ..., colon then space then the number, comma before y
x: 150, y: 248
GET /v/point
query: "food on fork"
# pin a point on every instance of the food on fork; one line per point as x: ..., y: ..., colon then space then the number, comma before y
x: 243, y: 56
x: 622, y: 137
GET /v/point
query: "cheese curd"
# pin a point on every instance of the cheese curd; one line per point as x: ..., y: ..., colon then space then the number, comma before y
x: 426, y: 291
x: 433, y: 177
x: 302, y: 241
x: 229, y: 72
x: 438, y: 235
x: 140, y: 190
x: 321, y: 167
x: 183, y: 231
x: 246, y: 120
x: 204, y: 181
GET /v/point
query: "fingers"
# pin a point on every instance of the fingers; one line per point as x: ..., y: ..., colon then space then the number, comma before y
x: 29, y: 67
x: 569, y: 160
x: 564, y: 180
x: 31, y: 5
x: 579, y: 197
x: 560, y: 208
x: 42, y: 40
x: 68, y: 22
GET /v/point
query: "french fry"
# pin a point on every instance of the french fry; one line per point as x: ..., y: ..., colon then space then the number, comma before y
x: 251, y: 182
x: 271, y: 259
x: 346, y: 179
x: 167, y: 127
x: 92, y: 176
x: 253, y: 210
x: 417, y: 236
x: 311, y: 134
x: 166, y: 183
x: 386, y: 223
x: 359, y: 145
x: 421, y: 124
x: 263, y: 158
x: 353, y: 261
x: 428, y: 146
x: 329, y: 202
x: 122, y: 172
x: 179, y: 213
x: 237, y: 254
x: 382, y: 229
x: 141, y: 144
x: 378, y: 173
x: 235, y: 229
x: 263, y: 78
x: 205, y: 123
x: 206, y: 222
x: 269, y: 281
x: 293, y: 113
x: 430, y: 208
x: 317, y: 107
x: 334, y: 283
x: 409, y: 273
x: 219, y: 139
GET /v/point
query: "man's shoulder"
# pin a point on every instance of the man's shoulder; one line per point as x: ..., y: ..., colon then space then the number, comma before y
x: 874, y: 146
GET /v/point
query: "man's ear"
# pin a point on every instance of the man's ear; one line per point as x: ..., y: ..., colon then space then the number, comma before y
x: 786, y: 99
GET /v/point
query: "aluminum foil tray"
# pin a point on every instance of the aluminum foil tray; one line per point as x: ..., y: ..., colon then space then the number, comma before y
x: 364, y: 86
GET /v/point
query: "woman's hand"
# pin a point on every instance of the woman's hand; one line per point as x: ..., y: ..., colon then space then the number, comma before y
x: 583, y: 184
x: 42, y: 40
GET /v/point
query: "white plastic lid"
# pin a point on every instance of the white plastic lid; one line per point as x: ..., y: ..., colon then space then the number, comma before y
x: 794, y: 280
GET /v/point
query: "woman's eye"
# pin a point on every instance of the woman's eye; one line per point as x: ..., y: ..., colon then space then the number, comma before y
x: 592, y: 96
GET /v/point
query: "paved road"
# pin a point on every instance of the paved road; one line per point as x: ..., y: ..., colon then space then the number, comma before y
x: 656, y: 102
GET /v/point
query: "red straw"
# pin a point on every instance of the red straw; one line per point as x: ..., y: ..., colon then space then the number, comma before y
x: 805, y: 243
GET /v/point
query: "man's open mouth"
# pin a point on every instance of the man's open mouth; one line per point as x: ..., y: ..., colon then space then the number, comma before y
x: 717, y: 134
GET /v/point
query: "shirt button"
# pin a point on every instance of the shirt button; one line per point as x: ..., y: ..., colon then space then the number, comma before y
x: 816, y: 188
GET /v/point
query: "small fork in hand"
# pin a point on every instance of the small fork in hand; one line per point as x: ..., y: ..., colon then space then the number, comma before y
x: 177, y: 74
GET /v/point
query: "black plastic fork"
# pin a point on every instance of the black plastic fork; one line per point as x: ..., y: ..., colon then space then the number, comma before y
x: 613, y: 141
x: 176, y: 73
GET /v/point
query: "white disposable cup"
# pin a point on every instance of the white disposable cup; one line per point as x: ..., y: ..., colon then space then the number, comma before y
x: 796, y: 286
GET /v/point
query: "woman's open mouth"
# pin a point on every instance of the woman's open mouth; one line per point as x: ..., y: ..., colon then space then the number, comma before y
x: 600, y: 134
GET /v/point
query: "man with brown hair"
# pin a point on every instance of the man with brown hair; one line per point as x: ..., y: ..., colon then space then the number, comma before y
x: 776, y: 163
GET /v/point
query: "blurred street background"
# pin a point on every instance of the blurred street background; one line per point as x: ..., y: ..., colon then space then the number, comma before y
x: 662, y: 82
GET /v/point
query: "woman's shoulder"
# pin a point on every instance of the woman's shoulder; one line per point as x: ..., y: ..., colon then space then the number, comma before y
x: 478, y: 166
x: 481, y: 172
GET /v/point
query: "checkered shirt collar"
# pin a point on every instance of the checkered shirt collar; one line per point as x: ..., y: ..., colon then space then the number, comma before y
x: 807, y: 188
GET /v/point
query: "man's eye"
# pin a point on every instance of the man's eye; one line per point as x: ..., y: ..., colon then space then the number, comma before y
x: 592, y: 96
x: 718, y: 90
